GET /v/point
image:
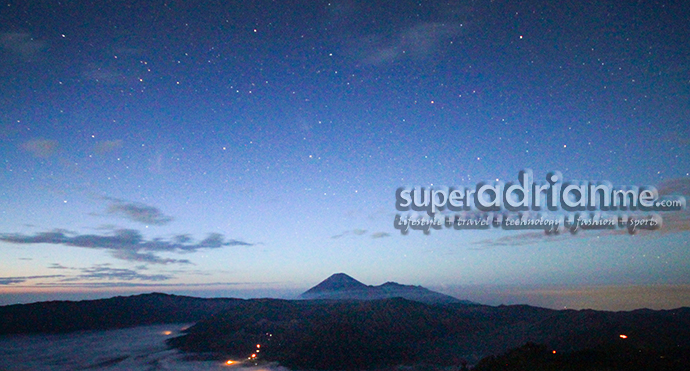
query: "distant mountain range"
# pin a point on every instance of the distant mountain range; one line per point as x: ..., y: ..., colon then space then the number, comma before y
x: 352, y: 326
x: 340, y: 286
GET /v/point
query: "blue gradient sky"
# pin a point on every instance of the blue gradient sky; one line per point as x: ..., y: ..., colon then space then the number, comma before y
x: 254, y: 148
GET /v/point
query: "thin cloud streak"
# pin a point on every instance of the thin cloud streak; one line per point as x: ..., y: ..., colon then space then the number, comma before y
x: 415, y: 42
x: 22, y: 45
x: 21, y: 279
x: 361, y: 232
x: 127, y: 244
x: 41, y: 148
x: 102, y: 272
x: 380, y: 235
x: 137, y: 212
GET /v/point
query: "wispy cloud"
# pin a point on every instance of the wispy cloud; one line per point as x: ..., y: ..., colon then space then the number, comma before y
x: 110, y: 284
x: 108, y: 145
x: 104, y: 272
x: 380, y: 235
x: 355, y: 232
x: 22, y: 44
x: 104, y: 275
x: 41, y: 148
x: 15, y: 280
x: 58, y: 266
x: 418, y: 41
x: 360, y: 232
x: 137, y: 212
x: 127, y: 244
x: 103, y: 74
x: 124, y: 70
x: 521, y: 239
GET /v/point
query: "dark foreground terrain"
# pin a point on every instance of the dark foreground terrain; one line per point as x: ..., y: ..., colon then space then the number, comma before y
x: 383, y: 333
x: 105, y: 314
x: 355, y: 335
x: 611, y: 357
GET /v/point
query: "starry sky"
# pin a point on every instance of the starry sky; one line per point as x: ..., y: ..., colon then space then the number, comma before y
x: 253, y: 148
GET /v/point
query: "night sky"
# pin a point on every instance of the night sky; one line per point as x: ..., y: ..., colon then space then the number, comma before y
x: 253, y: 148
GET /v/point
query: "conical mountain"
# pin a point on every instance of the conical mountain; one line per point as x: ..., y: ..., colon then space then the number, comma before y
x: 340, y: 286
x: 337, y: 282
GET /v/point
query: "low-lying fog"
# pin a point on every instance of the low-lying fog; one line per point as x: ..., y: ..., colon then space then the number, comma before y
x: 139, y: 348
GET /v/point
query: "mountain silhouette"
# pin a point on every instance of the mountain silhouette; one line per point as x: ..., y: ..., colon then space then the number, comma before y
x: 338, y: 282
x: 103, y: 314
x: 340, y: 286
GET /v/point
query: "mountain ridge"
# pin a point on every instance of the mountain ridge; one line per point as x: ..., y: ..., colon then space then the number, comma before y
x: 63, y: 316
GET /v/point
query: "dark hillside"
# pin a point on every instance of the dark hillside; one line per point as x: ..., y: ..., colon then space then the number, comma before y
x: 117, y: 312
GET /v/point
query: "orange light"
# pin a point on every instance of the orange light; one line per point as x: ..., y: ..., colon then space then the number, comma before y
x: 229, y: 362
x: 554, y: 352
x: 623, y: 336
x: 253, y: 355
x: 258, y: 345
x: 167, y: 332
